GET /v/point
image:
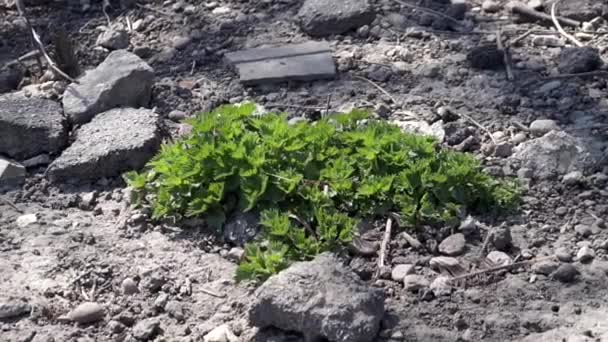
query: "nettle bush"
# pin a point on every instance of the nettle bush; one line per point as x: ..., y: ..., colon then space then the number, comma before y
x: 312, y: 182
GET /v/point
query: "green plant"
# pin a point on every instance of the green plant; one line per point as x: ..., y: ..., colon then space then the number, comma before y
x: 312, y: 183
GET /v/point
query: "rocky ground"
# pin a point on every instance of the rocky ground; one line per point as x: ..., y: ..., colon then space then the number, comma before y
x: 78, y: 265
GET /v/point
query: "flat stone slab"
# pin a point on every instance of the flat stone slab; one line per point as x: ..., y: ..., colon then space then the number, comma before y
x: 30, y: 126
x: 296, y: 62
x: 113, y: 142
x: 11, y: 174
x: 121, y: 80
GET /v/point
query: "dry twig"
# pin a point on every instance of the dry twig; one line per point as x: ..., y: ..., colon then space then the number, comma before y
x: 505, y: 55
x: 212, y: 293
x: 11, y: 204
x: 480, y: 126
x: 383, y: 246
x: 498, y: 268
x: 378, y: 87
x: 559, y: 28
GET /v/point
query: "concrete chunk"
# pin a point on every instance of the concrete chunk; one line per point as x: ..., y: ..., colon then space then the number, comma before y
x: 11, y: 173
x: 30, y: 126
x: 297, y: 62
x: 115, y: 141
x: 122, y: 79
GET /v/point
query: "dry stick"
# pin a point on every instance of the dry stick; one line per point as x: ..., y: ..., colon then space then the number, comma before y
x: 378, y: 87
x: 486, y: 241
x: 212, y: 293
x: 559, y: 27
x: 385, y: 240
x: 531, y: 13
x: 40, y: 46
x: 520, y: 38
x: 505, y: 55
x: 502, y: 267
x: 480, y: 126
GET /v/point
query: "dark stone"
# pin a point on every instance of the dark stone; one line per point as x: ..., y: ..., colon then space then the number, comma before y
x: 327, y: 17
x: 574, y: 60
x: 486, y: 57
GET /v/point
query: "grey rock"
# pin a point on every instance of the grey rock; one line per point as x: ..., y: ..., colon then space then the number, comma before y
x: 11, y: 173
x: 585, y: 254
x: 503, y: 150
x: 296, y: 300
x: 13, y: 309
x: 399, y: 272
x: 180, y: 42
x: 554, y: 153
x: 501, y: 239
x: 113, y: 39
x: 26, y: 219
x: 379, y: 73
x: 499, y: 258
x: 485, y: 57
x: 165, y: 55
x: 147, y: 329
x: 583, y: 230
x: 490, y: 6
x: 414, y: 282
x: 574, y: 60
x: 435, y: 130
x: 87, y: 312
x: 30, y: 126
x: 566, y: 273
x: 549, y: 41
x: 129, y: 286
x: 441, y: 286
x: 536, y: 4
x: 175, y: 309
x: 452, y: 245
x: 548, y: 87
x: 41, y: 159
x: 235, y: 254
x: 572, y: 178
x: 545, y: 267
x: 457, y: 9
x: 177, y: 115
x: 241, y: 228
x: 439, y: 263
x: 326, y: 17
x: 543, y: 126
x: 122, y: 79
x: 397, y: 20
x: 9, y: 79
x: 161, y: 300
x: 563, y: 254
x: 584, y: 10
x: 221, y: 333
x: 115, y: 141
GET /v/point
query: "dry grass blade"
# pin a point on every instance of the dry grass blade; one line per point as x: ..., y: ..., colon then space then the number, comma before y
x: 499, y: 268
x: 480, y: 126
x: 505, y: 55
x: 559, y: 27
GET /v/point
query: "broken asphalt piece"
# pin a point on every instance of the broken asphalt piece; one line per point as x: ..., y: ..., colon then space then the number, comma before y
x: 296, y: 62
x: 327, y: 17
x: 118, y: 140
x: 122, y: 79
x: 298, y: 299
x: 30, y: 126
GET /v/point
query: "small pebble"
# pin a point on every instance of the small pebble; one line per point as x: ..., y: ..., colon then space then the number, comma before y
x: 566, y: 273
x: 413, y: 282
x: 400, y: 271
x: 87, y: 312
x: 490, y: 6
x: 129, y: 286
x: 585, y: 254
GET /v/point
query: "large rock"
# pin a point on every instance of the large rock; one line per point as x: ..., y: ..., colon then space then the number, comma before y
x: 583, y: 10
x: 326, y: 17
x: 574, y: 60
x: 320, y: 299
x: 123, y: 79
x: 555, y: 153
x: 113, y: 142
x: 11, y: 173
x: 30, y: 126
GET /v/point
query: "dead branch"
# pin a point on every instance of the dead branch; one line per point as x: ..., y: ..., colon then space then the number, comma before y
x: 559, y: 28
x: 480, y: 126
x: 543, y: 18
x: 11, y: 204
x: 505, y: 55
x: 212, y: 293
x: 383, y: 246
x: 498, y: 268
